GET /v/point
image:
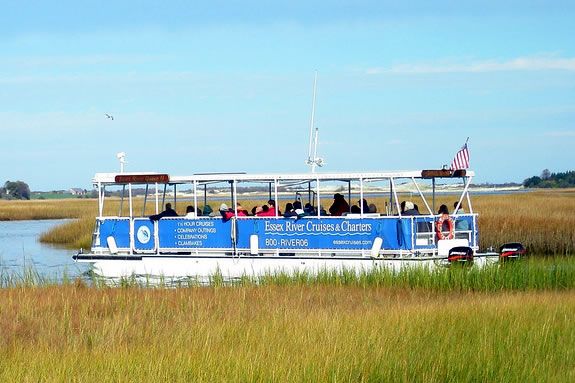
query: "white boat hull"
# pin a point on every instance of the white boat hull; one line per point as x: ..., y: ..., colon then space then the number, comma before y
x: 177, y: 266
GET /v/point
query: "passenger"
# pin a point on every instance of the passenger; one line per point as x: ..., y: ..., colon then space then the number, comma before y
x: 225, y: 212
x: 169, y: 212
x: 288, y: 209
x: 241, y: 211
x: 355, y: 209
x: 444, y: 224
x: 365, y: 205
x: 402, y: 207
x: 410, y: 209
x: 255, y: 210
x: 443, y: 210
x: 458, y: 211
x: 309, y: 209
x: 372, y: 208
x: 265, y: 212
x: 297, y: 211
x: 339, y: 205
x: 207, y: 211
x: 190, y: 212
x: 272, y: 206
x: 461, y: 224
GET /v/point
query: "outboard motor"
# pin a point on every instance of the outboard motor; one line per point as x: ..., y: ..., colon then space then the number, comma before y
x: 460, y: 255
x: 512, y: 251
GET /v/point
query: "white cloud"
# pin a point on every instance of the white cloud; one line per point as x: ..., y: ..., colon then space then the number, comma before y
x: 534, y: 63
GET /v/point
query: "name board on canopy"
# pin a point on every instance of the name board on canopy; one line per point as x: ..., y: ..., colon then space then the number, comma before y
x: 141, y: 178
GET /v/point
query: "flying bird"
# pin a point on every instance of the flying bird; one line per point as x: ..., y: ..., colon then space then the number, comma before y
x: 110, y: 116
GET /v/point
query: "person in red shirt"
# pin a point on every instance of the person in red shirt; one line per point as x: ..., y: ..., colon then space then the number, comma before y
x: 265, y: 212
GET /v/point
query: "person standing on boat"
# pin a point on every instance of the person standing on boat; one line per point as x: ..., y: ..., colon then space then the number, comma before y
x: 339, y: 205
x: 169, y: 212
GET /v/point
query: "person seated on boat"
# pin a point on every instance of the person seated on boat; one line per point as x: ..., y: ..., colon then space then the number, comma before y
x: 169, y: 212
x: 444, y: 225
x: 225, y: 212
x: 372, y: 208
x: 272, y: 206
x: 207, y: 211
x: 365, y: 205
x: 460, y: 224
x: 401, y: 207
x: 288, y: 209
x: 309, y: 209
x: 339, y: 205
x: 416, y: 208
x: 355, y: 210
x: 296, y: 212
x: 410, y: 209
x: 460, y: 210
x: 190, y: 212
x: 264, y: 211
x: 255, y: 210
x: 241, y: 211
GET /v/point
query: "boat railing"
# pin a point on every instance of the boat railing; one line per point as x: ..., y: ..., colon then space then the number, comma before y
x: 351, y: 234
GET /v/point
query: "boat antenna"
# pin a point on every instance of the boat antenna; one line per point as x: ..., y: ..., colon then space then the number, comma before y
x: 313, y: 135
x: 121, y: 156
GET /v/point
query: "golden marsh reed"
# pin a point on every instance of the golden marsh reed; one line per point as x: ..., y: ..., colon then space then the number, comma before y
x: 284, y: 333
x: 542, y: 220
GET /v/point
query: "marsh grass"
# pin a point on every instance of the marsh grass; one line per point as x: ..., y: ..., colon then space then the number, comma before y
x: 317, y: 332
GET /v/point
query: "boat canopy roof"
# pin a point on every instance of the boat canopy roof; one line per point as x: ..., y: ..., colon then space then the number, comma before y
x: 163, y: 178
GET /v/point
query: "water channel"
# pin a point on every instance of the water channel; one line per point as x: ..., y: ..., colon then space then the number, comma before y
x: 21, y: 251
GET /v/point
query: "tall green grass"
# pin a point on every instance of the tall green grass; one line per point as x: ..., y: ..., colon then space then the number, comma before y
x: 538, y: 273
x: 284, y: 333
x: 530, y: 274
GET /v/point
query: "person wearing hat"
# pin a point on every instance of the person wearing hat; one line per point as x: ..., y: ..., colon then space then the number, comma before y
x: 339, y: 205
x: 410, y: 209
x: 226, y: 212
x: 207, y: 210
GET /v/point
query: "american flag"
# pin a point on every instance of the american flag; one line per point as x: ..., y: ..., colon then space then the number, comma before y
x: 461, y: 160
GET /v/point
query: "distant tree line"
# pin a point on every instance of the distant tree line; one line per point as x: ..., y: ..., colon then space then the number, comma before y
x: 15, y: 190
x: 551, y: 180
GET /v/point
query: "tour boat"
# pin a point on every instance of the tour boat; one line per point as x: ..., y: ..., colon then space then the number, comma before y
x: 234, y: 245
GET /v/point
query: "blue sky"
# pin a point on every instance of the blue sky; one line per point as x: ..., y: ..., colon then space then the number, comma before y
x: 227, y: 86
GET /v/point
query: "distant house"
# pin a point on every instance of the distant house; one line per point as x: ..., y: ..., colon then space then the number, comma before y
x: 78, y: 191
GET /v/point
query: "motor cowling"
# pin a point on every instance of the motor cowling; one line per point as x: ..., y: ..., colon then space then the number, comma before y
x: 460, y: 254
x: 512, y: 251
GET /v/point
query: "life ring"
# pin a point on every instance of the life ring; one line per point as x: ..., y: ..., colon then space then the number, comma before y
x: 439, y: 227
